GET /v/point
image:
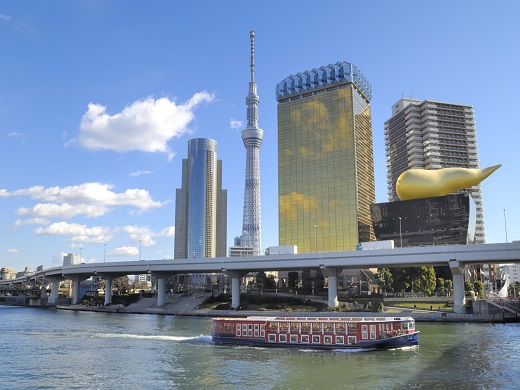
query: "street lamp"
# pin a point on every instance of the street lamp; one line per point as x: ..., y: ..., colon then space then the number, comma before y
x: 315, y: 239
x: 400, y: 233
x: 104, y: 252
x: 505, y: 224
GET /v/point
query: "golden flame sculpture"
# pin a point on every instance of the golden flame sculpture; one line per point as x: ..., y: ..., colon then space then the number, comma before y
x: 421, y: 183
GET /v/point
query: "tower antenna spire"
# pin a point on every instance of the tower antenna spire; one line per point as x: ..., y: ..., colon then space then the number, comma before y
x: 252, y: 36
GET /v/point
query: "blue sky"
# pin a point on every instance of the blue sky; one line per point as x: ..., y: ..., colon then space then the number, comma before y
x: 98, y: 100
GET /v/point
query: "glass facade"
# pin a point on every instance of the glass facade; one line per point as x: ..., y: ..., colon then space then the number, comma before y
x: 325, y: 165
x: 201, y: 211
x: 444, y: 220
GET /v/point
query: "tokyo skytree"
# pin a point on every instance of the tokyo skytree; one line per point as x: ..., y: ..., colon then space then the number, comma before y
x: 252, y: 137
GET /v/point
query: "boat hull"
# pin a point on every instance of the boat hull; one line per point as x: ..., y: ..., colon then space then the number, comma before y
x: 406, y: 340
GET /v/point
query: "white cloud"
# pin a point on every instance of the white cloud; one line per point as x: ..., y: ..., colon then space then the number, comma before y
x: 19, y: 136
x: 32, y: 221
x: 5, y: 17
x: 77, y: 232
x: 139, y: 173
x: 89, y: 199
x: 142, y: 234
x: 12, y: 250
x: 168, y: 232
x: 235, y: 124
x: 124, y: 251
x: 146, y: 125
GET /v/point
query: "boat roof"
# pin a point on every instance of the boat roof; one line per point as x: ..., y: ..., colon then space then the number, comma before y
x: 316, y: 319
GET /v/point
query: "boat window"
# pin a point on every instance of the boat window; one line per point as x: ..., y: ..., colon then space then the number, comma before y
x: 305, y: 339
x: 328, y: 327
x: 283, y: 337
x: 272, y: 337
x: 284, y: 327
x: 244, y: 328
x: 372, y: 332
x: 256, y: 330
x: 352, y: 328
x: 295, y: 327
x: 352, y: 340
x: 238, y: 333
x: 327, y: 339
x: 364, y: 332
x: 306, y: 327
x: 262, y: 330
x: 316, y: 339
x: 340, y: 339
x: 316, y: 327
x: 294, y: 338
x: 250, y: 329
x: 341, y: 327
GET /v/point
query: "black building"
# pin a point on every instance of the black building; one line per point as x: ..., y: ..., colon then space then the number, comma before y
x: 443, y: 220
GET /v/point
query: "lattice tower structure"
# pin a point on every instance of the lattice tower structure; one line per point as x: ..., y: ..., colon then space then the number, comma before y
x: 252, y: 137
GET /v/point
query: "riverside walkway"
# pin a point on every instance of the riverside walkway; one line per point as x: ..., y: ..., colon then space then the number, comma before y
x: 188, y: 306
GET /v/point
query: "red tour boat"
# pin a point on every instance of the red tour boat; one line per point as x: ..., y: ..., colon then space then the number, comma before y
x: 316, y: 332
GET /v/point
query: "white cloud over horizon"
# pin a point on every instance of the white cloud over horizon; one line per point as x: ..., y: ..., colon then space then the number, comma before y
x: 124, y: 251
x: 88, y: 199
x: 235, y: 123
x: 139, y: 173
x: 145, y: 125
x: 77, y: 232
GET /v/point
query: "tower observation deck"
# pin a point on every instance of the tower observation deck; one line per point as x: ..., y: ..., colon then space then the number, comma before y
x: 252, y: 137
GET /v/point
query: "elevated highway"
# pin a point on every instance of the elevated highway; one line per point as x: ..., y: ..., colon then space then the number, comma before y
x: 332, y: 263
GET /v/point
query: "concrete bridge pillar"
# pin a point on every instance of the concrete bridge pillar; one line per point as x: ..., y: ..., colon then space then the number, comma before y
x: 54, y: 292
x: 75, y: 289
x: 457, y: 272
x: 108, y: 289
x: 160, y: 289
x: 332, y: 275
x: 235, y: 287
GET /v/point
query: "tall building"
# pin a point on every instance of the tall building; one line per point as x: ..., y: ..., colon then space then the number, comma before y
x: 70, y: 259
x: 252, y: 137
x: 432, y: 135
x: 201, y: 204
x: 325, y: 159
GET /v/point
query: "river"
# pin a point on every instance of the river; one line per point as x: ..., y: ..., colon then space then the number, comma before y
x: 53, y: 349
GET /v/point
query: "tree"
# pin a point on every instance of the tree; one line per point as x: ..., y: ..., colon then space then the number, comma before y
x: 120, y: 284
x: 479, y: 288
x: 400, y: 279
x: 514, y: 289
x: 440, y: 285
x: 261, y: 280
x: 385, y: 276
x: 448, y: 286
x: 293, y: 279
x: 426, y: 280
x: 270, y: 283
x: 468, y: 286
x: 307, y: 281
x: 319, y: 280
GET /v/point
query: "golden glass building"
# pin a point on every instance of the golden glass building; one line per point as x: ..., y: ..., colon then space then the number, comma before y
x: 325, y: 159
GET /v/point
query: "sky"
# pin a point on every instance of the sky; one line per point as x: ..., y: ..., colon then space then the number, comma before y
x: 98, y: 100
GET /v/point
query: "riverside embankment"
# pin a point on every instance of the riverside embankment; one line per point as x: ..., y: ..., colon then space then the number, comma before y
x: 188, y: 306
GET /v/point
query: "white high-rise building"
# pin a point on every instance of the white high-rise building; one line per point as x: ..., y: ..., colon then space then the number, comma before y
x: 252, y: 137
x: 432, y: 135
x: 70, y: 259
